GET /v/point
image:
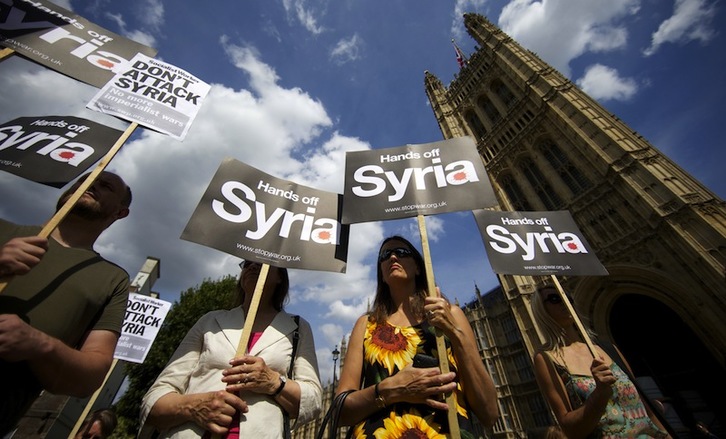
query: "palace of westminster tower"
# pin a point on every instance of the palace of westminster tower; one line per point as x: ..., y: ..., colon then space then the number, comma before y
x: 659, y: 232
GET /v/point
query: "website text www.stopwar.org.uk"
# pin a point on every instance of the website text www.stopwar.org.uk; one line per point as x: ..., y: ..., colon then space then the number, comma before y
x: 547, y: 267
x: 19, y: 46
x: 10, y: 163
x: 410, y: 207
x: 268, y: 254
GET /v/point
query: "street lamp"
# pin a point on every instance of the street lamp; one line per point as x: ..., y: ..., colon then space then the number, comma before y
x: 336, y: 355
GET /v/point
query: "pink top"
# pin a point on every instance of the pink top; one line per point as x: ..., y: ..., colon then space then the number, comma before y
x: 233, y: 432
x: 253, y: 339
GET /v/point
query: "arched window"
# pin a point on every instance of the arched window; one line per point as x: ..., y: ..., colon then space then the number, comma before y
x: 541, y: 187
x: 570, y: 175
x: 514, y: 193
x: 489, y: 109
x: 503, y: 92
x: 475, y: 124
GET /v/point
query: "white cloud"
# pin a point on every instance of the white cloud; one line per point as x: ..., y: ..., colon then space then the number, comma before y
x: 297, y: 117
x: 64, y: 4
x: 270, y: 29
x: 142, y: 37
x: 434, y: 228
x: 168, y: 177
x: 561, y: 30
x: 349, y: 312
x: 151, y: 14
x: 137, y: 35
x: 409, y: 229
x: 303, y: 14
x: 604, y: 83
x: 691, y: 21
x: 333, y: 333
x: 460, y: 8
x: 347, y: 50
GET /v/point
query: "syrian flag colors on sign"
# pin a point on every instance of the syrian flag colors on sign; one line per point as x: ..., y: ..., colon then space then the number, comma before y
x: 536, y: 243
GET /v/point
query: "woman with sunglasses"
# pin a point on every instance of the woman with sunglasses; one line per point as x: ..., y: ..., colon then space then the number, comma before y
x: 391, y: 363
x: 204, y: 390
x: 590, y: 397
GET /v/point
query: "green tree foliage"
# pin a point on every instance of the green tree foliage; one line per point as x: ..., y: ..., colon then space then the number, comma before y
x: 193, y: 304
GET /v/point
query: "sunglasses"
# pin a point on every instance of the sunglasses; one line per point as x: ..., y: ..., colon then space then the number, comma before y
x: 555, y: 299
x: 245, y: 264
x: 400, y: 252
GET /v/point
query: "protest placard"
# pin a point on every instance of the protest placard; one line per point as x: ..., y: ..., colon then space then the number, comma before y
x: 248, y: 213
x: 53, y: 150
x: 143, y: 319
x: 536, y: 243
x: 410, y: 180
x: 63, y: 41
x: 154, y: 94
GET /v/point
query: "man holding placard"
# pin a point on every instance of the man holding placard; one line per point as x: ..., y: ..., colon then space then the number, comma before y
x: 61, y: 314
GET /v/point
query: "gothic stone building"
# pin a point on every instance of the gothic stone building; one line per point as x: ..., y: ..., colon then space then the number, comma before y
x: 660, y: 233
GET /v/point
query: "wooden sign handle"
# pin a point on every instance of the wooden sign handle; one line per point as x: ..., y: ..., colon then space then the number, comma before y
x: 454, y: 431
x: 251, y: 314
x: 6, y: 53
x: 250, y: 317
x: 578, y: 322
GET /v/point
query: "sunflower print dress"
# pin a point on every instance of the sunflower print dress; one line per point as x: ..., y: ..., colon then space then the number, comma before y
x: 388, y: 349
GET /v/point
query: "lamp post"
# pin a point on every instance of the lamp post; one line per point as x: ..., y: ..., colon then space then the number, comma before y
x: 336, y: 354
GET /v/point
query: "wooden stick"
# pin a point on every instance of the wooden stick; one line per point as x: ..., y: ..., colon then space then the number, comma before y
x: 92, y: 401
x: 250, y: 317
x: 454, y: 431
x: 572, y: 312
x: 252, y: 312
x: 68, y: 205
x: 6, y: 53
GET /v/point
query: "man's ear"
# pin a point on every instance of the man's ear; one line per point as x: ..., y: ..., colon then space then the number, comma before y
x: 122, y: 213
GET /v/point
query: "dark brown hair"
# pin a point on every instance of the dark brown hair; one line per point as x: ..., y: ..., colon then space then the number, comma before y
x: 279, y: 297
x: 383, y: 303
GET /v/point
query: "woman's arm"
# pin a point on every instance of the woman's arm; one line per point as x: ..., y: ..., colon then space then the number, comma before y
x: 581, y: 421
x: 212, y: 411
x: 476, y: 383
x: 166, y: 403
x: 410, y: 384
x: 300, y: 397
x: 362, y: 403
x: 306, y: 374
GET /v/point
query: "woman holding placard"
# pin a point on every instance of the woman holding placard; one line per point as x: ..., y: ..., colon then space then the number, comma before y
x: 591, y: 397
x: 391, y: 367
x: 204, y: 389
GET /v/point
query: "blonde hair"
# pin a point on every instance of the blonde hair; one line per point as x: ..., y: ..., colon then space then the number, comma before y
x: 554, y: 334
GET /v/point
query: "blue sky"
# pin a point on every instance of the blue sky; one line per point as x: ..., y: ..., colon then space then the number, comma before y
x: 296, y: 83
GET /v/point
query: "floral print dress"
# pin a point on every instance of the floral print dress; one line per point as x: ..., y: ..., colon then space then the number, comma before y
x: 388, y: 349
x: 625, y: 414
